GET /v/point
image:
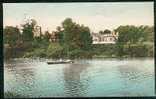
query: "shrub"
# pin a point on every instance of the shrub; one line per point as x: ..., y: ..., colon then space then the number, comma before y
x: 54, y: 50
x: 36, y: 53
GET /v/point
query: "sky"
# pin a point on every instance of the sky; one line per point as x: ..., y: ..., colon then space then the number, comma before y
x: 97, y: 16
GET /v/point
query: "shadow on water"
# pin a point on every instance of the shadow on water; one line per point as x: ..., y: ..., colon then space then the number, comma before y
x: 74, y: 85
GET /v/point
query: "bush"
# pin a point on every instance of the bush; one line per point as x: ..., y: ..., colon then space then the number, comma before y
x: 104, y: 49
x: 54, y: 50
x: 135, y: 50
x: 36, y: 53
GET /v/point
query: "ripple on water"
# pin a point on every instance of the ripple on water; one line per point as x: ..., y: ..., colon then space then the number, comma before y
x: 101, y: 77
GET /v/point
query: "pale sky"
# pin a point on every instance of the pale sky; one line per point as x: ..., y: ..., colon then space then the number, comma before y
x: 97, y: 16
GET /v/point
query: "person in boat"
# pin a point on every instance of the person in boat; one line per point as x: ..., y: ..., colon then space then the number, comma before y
x: 68, y: 60
x: 61, y: 60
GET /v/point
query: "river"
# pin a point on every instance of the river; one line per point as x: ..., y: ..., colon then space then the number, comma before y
x: 84, y: 78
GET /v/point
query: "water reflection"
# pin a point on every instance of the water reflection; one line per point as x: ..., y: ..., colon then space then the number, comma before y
x: 98, y: 77
x: 131, y: 71
x: 135, y: 77
x: 23, y: 75
x: 74, y: 81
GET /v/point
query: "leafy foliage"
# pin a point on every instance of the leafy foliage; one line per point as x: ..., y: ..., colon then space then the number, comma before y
x: 75, y: 41
x: 28, y: 29
x: 131, y: 41
x: 54, y: 50
x: 106, y: 31
x: 12, y: 35
x: 75, y: 36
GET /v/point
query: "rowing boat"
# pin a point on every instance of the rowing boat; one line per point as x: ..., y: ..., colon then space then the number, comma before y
x: 60, y: 62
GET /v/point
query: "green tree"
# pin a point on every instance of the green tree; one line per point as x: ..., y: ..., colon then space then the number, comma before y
x: 46, y: 36
x: 85, y: 38
x: 131, y: 40
x: 106, y: 31
x: 12, y: 41
x: 128, y: 34
x: 28, y: 29
x: 148, y: 32
x: 54, y: 50
x: 12, y: 35
x: 76, y: 36
x: 60, y: 33
x: 68, y: 25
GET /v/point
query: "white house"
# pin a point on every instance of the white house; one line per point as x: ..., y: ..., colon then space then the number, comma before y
x: 109, y: 38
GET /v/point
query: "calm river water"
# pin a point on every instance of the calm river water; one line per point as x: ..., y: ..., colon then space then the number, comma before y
x: 84, y: 78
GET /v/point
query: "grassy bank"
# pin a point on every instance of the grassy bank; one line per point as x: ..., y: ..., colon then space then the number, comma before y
x: 56, y: 51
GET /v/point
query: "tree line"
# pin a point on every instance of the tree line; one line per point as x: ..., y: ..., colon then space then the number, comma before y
x: 72, y: 40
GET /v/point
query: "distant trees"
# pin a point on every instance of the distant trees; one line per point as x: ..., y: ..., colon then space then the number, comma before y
x: 135, y: 34
x: 132, y: 39
x: 75, y: 37
x: 60, y: 33
x: 106, y: 31
x: 148, y: 32
x: 129, y: 34
x: 12, y: 40
x: 55, y: 50
x: 17, y: 42
x: 45, y: 38
x: 12, y: 35
x: 72, y: 40
x: 28, y: 29
x: 78, y: 36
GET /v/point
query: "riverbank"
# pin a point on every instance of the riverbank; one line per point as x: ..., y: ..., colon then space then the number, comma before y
x: 94, y: 57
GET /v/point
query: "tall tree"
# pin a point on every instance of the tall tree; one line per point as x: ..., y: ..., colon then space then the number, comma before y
x: 12, y: 41
x: 28, y: 29
x: 132, y: 38
x: 12, y: 35
x: 86, y: 38
x: 76, y: 36
x: 46, y: 36
x: 60, y: 34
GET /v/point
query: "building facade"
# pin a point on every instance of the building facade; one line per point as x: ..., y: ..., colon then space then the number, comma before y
x: 109, y: 38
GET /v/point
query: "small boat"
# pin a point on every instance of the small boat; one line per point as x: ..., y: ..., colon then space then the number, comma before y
x: 60, y: 62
